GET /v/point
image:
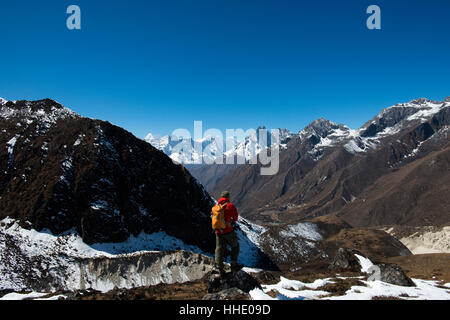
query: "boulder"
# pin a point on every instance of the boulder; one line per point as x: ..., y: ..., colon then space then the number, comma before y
x: 345, y: 259
x: 267, y: 277
x: 228, y: 294
x: 393, y: 274
x: 241, y: 280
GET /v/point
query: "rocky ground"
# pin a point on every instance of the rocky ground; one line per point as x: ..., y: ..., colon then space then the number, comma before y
x: 346, y: 277
x: 324, y: 258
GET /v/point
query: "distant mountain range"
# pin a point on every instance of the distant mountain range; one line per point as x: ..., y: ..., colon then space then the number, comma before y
x: 392, y: 170
x: 188, y: 151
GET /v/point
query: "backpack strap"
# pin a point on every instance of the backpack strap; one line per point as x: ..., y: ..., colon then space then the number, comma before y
x: 223, y: 206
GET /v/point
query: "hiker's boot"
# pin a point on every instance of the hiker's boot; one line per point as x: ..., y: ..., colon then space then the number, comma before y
x: 219, y: 269
x: 235, y: 267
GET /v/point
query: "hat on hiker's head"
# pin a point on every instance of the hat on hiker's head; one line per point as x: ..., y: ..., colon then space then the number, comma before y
x: 225, y: 194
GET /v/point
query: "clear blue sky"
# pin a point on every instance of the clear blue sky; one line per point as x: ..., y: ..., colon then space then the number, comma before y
x: 154, y: 66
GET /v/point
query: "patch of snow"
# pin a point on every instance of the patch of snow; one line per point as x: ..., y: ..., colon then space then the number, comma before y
x: 306, y: 230
x: 55, y: 297
x: 414, y: 151
x: 292, y: 289
x: 11, y: 143
x: 67, y: 164
x: 158, y: 241
x: 424, y: 290
x: 44, y: 146
x: 352, y: 147
x: 297, y: 290
x: 79, y: 140
x: 364, y: 262
x: 21, y: 296
x: 427, y: 110
x: 258, y: 294
x: 252, y: 270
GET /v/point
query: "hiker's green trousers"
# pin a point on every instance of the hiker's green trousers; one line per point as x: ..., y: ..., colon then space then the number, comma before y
x: 222, y: 240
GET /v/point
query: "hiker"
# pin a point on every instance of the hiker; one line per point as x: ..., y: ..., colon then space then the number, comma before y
x: 225, y: 234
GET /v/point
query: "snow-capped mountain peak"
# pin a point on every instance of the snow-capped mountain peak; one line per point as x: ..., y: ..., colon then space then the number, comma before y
x: 186, y: 150
x: 325, y: 133
x: 321, y: 128
x: 210, y: 148
x: 391, y: 120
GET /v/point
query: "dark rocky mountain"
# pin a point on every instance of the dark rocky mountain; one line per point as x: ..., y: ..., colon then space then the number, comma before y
x: 63, y: 172
x: 393, y: 170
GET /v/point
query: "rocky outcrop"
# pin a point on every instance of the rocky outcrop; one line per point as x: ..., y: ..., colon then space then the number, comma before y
x: 393, y: 274
x: 143, y: 269
x: 240, y: 280
x: 228, y: 294
x: 345, y: 259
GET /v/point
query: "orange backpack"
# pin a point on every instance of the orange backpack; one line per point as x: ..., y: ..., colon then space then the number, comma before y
x: 218, y: 217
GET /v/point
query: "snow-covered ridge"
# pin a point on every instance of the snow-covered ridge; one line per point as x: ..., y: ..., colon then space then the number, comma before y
x: 36, y: 110
x: 387, y: 123
x: 32, y: 260
x: 249, y: 236
x: 324, y: 134
x: 70, y: 243
x: 420, y: 109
